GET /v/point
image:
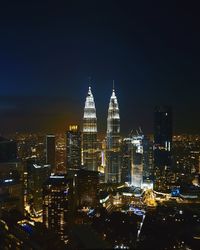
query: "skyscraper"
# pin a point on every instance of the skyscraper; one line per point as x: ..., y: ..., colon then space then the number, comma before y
x: 11, y: 177
x: 133, y: 160
x: 37, y: 174
x: 73, y: 147
x: 147, y: 157
x: 163, y: 173
x: 56, y: 204
x: 51, y: 151
x: 162, y: 136
x: 113, y: 169
x: 90, y: 133
x: 87, y: 188
x: 137, y: 161
x: 126, y: 149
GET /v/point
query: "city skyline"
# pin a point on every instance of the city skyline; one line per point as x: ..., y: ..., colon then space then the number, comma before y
x: 150, y: 50
x: 99, y: 134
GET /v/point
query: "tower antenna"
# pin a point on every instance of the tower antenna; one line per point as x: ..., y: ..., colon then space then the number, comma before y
x: 90, y: 81
x: 113, y: 84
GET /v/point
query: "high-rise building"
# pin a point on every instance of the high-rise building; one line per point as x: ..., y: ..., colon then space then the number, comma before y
x: 89, y: 141
x: 51, y: 151
x: 137, y: 161
x: 162, y: 136
x: 73, y: 148
x: 147, y: 157
x: 37, y: 174
x: 162, y: 147
x: 87, y: 187
x: 113, y: 168
x: 126, y: 149
x: 11, y: 177
x: 56, y: 202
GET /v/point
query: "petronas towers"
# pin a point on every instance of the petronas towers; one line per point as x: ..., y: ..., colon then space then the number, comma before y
x: 113, y: 172
x: 90, y: 150
x: 90, y: 133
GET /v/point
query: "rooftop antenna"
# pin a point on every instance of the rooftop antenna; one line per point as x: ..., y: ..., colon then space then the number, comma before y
x: 113, y: 85
x: 90, y: 81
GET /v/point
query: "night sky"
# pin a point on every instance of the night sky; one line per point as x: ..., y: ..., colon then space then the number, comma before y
x: 49, y: 49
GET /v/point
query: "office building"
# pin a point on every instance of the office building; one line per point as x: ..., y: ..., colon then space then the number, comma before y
x: 87, y: 188
x: 56, y: 205
x: 147, y: 157
x: 11, y: 177
x: 37, y: 174
x: 162, y: 136
x: 163, y: 172
x: 73, y: 148
x: 126, y: 149
x: 137, y: 159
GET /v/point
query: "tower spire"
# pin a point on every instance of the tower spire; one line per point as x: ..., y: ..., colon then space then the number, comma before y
x: 113, y: 85
x: 90, y: 81
x: 113, y: 171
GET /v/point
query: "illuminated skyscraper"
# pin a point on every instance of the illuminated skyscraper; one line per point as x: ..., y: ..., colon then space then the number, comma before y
x: 73, y: 147
x: 90, y: 133
x: 37, y: 174
x: 56, y: 204
x: 126, y: 150
x: 137, y: 161
x: 132, y: 160
x: 113, y: 169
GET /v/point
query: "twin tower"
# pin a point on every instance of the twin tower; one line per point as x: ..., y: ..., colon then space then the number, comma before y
x: 90, y: 145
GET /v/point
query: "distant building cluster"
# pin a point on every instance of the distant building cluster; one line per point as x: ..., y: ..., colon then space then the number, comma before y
x: 81, y: 192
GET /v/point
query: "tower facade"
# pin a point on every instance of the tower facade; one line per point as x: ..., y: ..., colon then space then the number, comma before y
x: 73, y: 148
x: 89, y: 139
x: 11, y: 177
x: 113, y: 169
x: 56, y: 204
x: 163, y: 172
x: 137, y: 161
x: 162, y: 136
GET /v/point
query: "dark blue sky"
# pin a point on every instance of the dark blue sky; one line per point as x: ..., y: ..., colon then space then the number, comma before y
x: 48, y: 49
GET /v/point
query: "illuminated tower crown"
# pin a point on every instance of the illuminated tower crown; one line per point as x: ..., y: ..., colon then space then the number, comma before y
x: 113, y: 172
x: 113, y: 121
x: 90, y: 133
x: 89, y: 117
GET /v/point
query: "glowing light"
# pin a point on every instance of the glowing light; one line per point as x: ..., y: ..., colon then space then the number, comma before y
x: 57, y: 177
x: 73, y: 127
x: 104, y: 200
x: 8, y: 180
